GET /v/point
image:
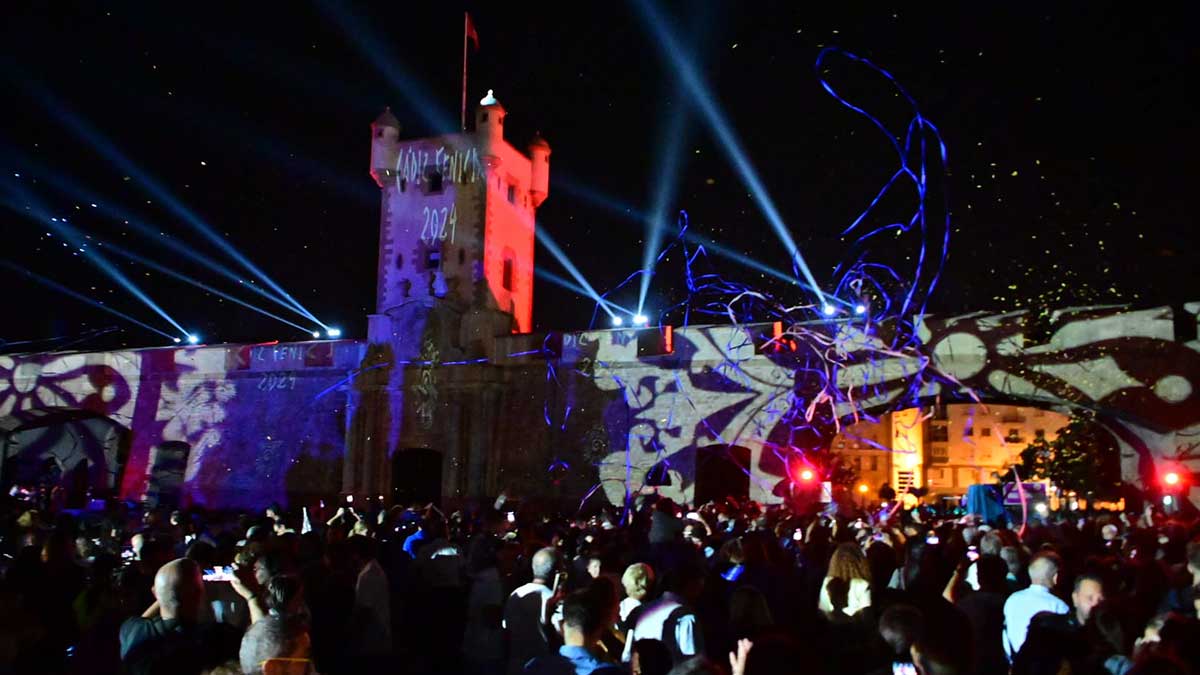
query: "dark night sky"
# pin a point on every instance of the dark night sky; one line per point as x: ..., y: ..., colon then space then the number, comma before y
x: 1072, y: 143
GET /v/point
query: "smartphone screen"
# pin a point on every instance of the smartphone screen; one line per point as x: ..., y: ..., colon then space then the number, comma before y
x: 899, y: 668
x: 218, y: 574
x: 558, y: 581
x: 512, y: 517
x: 972, y: 553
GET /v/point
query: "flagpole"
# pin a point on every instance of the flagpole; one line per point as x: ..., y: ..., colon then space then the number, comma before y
x: 466, y: 26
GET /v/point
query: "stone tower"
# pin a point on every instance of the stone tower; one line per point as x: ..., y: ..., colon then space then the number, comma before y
x: 455, y: 269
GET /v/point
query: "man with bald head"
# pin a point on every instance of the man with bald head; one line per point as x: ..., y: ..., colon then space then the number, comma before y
x: 1021, y: 606
x: 167, y: 637
x: 524, y: 612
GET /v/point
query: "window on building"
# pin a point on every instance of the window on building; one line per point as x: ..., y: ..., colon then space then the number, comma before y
x: 874, y: 463
x: 433, y: 181
x: 969, y: 431
x: 1014, y: 436
x: 507, y: 280
x: 403, y: 184
x: 939, y: 433
x: 399, y: 261
x: 512, y: 194
x: 433, y: 260
x: 483, y: 116
x: 858, y: 464
x: 987, y: 431
x: 1039, y: 433
x: 939, y: 453
x: 841, y: 445
x: 462, y: 256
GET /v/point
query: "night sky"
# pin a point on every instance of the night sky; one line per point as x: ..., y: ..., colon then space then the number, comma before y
x: 1072, y: 146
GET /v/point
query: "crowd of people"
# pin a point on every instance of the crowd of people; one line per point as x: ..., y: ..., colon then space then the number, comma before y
x: 648, y: 588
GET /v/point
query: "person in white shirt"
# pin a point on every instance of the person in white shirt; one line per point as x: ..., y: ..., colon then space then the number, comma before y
x: 525, y: 613
x: 848, y: 564
x: 670, y: 618
x: 637, y: 580
x: 1021, y: 606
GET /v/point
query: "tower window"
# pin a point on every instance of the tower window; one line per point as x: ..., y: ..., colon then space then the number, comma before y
x: 403, y: 184
x: 462, y: 256
x: 483, y: 116
x: 433, y: 260
x: 507, y: 280
x: 400, y: 261
x: 433, y: 181
x: 512, y: 194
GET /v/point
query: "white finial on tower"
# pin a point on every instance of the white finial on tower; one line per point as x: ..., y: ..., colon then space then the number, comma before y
x: 490, y: 99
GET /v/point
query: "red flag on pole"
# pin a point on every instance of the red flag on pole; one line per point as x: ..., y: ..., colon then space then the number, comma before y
x: 468, y: 34
x: 471, y: 34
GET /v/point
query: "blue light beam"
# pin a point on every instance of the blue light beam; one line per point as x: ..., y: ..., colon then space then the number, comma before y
x: 80, y: 193
x: 547, y: 242
x: 50, y: 283
x: 702, y: 97
x: 667, y: 178
x: 105, y: 147
x: 75, y: 240
x: 193, y: 282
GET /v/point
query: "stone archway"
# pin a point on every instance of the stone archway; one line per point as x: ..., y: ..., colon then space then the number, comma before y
x: 80, y: 450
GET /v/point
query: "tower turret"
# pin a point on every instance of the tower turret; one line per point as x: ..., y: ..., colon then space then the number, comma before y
x: 539, y: 170
x: 385, y: 136
x: 489, y: 127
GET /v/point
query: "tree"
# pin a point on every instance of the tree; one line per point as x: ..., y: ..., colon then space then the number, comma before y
x: 1083, y: 458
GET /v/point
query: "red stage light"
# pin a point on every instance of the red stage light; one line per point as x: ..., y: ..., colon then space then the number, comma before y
x: 1171, y: 478
x: 806, y: 475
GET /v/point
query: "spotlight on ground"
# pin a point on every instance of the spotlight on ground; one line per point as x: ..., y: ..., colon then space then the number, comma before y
x: 640, y: 320
x: 316, y: 333
x: 333, y: 332
x: 617, y: 321
x: 177, y: 340
x: 860, y: 309
x: 828, y: 310
x: 193, y: 339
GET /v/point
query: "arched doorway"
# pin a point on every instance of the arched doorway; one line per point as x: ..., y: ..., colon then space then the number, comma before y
x: 416, y: 476
x: 721, y: 471
x: 80, y: 451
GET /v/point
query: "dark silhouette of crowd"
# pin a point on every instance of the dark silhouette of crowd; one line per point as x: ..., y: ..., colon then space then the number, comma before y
x: 649, y: 588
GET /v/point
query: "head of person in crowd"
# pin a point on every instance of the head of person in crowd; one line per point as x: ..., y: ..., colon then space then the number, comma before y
x: 749, y: 613
x: 650, y: 657
x: 586, y: 614
x: 848, y: 563
x: 1043, y: 569
x: 284, y: 594
x: 273, y: 637
x: 544, y: 564
x: 900, y: 627
x: 993, y: 574
x: 1011, y: 555
x: 271, y: 562
x: 179, y: 589
x: 1088, y: 593
x: 637, y: 580
x: 991, y: 543
x: 685, y: 580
